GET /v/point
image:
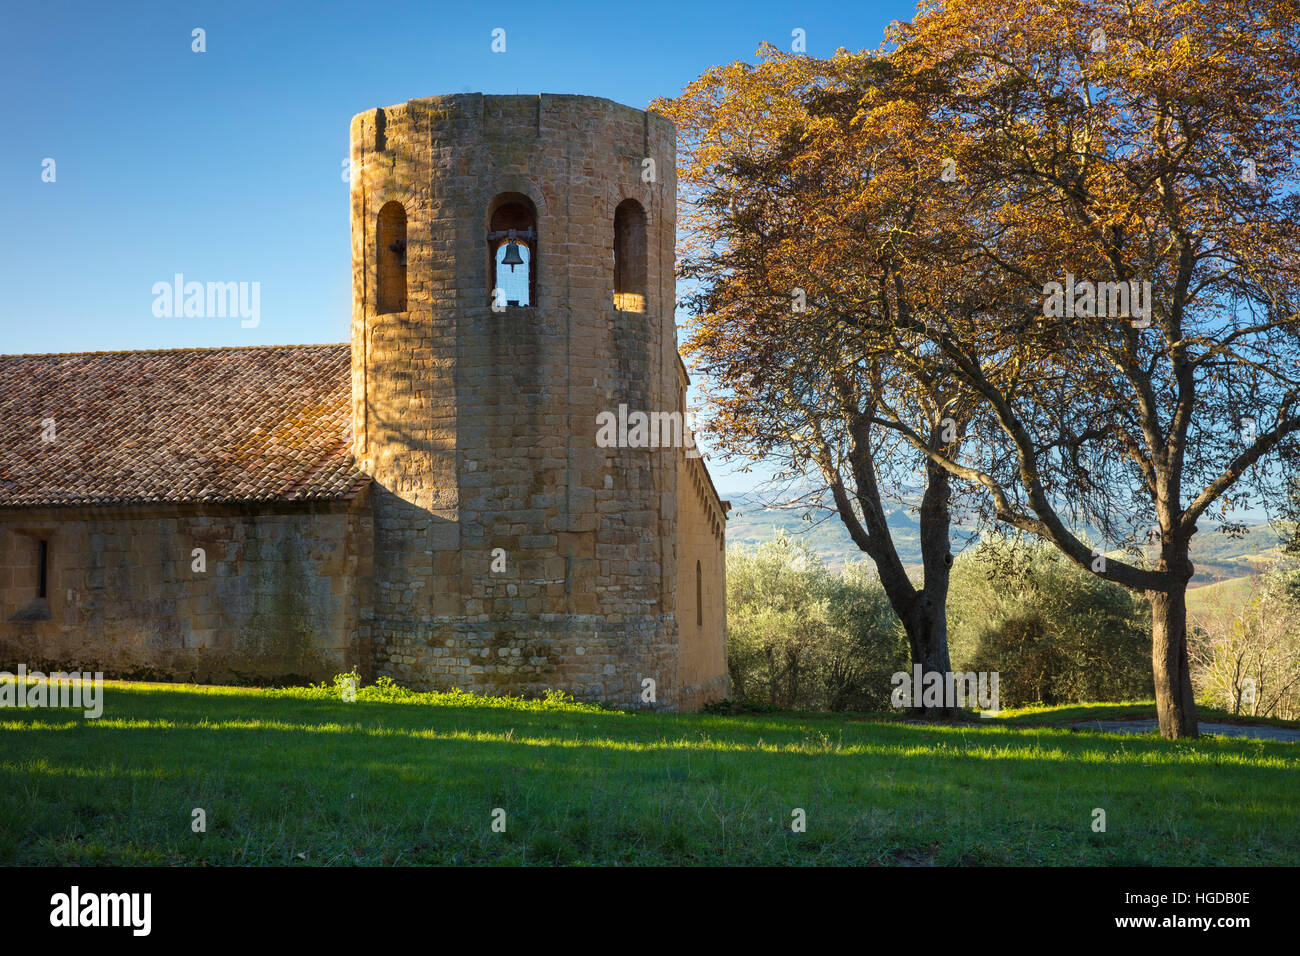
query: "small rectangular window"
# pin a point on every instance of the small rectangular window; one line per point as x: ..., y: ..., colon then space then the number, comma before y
x: 699, y: 595
x: 629, y: 257
x: 31, y: 577
x: 392, y: 258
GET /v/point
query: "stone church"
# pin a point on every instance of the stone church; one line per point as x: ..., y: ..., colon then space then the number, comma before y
x: 428, y: 502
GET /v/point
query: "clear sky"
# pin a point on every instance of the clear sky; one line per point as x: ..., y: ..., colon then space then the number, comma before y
x: 226, y: 165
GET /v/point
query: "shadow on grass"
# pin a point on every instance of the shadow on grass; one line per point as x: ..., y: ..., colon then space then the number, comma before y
x: 285, y: 780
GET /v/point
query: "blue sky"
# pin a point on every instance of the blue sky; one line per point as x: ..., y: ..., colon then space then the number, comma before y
x: 226, y: 165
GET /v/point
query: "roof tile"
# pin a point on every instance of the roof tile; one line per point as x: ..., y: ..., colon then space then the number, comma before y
x: 261, y: 423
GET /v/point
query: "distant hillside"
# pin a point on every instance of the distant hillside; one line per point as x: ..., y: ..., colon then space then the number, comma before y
x: 751, y: 523
x: 1217, y: 557
x: 1223, y: 599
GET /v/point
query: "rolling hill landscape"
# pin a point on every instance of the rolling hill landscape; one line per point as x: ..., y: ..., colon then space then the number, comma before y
x: 1225, y: 565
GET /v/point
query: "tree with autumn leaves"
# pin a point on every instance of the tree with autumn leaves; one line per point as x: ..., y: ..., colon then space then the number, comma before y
x: 798, y: 379
x: 880, y: 243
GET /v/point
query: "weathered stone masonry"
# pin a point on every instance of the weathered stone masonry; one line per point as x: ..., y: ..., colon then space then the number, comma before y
x: 279, y: 600
x: 478, y: 425
x: 469, y: 444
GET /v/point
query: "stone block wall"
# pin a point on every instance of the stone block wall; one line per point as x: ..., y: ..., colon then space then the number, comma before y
x: 280, y: 599
x: 701, y: 581
x: 499, y: 548
x: 479, y: 426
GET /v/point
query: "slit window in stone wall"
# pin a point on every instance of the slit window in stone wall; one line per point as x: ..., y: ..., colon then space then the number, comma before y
x: 512, y: 251
x: 31, y: 577
x: 699, y: 595
x: 629, y: 257
x: 391, y: 253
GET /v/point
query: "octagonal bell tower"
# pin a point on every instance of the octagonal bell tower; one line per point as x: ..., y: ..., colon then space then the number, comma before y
x: 512, y: 269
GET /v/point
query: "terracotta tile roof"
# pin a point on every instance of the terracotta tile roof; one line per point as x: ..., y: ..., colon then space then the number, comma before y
x: 220, y: 425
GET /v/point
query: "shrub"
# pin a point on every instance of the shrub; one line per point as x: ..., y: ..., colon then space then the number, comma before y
x: 1054, y: 632
x: 801, y: 637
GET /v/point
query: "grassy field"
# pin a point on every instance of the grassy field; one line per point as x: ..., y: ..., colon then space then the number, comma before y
x: 299, y: 777
x: 1223, y: 599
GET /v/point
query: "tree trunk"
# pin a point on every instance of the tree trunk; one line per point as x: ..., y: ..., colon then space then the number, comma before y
x: 926, y: 621
x: 927, y: 634
x: 923, y: 612
x: 1175, y: 703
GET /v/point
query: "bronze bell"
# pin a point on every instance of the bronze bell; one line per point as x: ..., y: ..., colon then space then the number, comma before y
x: 512, y: 257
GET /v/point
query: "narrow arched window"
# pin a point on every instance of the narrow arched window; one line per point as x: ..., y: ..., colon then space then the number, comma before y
x: 629, y: 257
x: 699, y: 595
x: 512, y: 250
x: 391, y: 257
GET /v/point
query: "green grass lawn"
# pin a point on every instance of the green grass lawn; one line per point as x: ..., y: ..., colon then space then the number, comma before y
x: 301, y: 777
